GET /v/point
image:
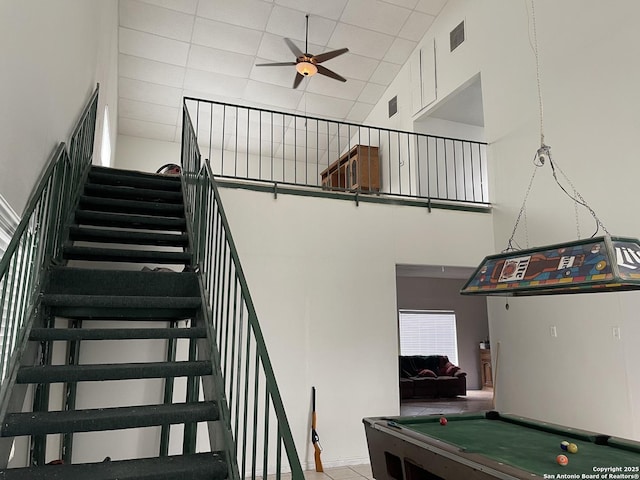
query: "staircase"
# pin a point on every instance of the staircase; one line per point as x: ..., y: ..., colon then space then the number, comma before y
x: 124, y: 221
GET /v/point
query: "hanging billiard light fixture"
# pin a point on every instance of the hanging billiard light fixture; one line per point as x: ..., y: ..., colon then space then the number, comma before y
x: 598, y: 264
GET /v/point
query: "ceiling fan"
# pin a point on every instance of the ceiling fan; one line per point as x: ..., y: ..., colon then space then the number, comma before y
x: 308, y: 64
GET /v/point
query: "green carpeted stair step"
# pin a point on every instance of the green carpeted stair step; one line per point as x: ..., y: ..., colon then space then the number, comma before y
x: 115, y: 294
x: 123, y: 220
x: 131, y: 206
x: 82, y: 281
x: 198, y: 466
x: 101, y: 419
x: 95, y: 307
x: 130, y: 193
x: 111, y: 371
x: 103, y: 235
x: 132, y: 173
x: 74, y: 334
x: 124, y: 255
x: 156, y: 182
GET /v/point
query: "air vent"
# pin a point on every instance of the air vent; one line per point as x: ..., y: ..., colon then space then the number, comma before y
x: 456, y: 37
x: 393, y: 106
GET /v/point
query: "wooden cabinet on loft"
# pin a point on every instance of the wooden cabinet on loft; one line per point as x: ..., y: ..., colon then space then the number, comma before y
x: 358, y: 169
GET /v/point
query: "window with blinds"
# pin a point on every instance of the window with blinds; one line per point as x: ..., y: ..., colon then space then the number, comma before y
x: 8, y: 222
x: 424, y: 332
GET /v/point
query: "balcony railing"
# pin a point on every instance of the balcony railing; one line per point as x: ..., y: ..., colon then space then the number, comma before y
x: 244, y: 143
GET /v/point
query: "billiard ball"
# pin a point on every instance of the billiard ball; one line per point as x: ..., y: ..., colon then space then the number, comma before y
x: 572, y: 448
x: 443, y: 421
x: 564, y: 445
x: 562, y: 460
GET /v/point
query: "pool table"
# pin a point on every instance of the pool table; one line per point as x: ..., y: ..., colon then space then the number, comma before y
x: 492, y: 445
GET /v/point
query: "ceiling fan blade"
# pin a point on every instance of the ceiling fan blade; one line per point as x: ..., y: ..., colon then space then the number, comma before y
x: 292, y: 46
x: 281, y: 64
x: 328, y: 73
x: 297, y: 80
x: 323, y: 57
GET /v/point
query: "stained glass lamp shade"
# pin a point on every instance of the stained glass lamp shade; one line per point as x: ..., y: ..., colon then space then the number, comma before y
x: 600, y: 264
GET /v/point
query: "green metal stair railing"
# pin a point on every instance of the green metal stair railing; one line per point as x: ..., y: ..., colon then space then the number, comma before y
x: 257, y: 433
x: 37, y: 242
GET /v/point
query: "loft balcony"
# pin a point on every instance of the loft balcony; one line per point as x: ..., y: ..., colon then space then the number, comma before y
x: 286, y: 153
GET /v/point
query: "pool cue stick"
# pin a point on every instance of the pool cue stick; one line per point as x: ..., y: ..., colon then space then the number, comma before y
x: 495, y: 378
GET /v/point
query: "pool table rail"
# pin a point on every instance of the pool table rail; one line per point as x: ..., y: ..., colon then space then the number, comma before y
x: 575, y: 433
x: 420, y: 460
x: 486, y: 445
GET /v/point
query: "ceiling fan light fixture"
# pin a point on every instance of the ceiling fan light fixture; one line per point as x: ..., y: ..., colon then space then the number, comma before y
x: 307, y: 64
x: 307, y: 69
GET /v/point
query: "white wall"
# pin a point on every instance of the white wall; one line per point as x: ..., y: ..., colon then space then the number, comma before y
x: 589, y: 86
x: 322, y: 276
x: 52, y: 55
x: 135, y: 153
x: 444, y: 128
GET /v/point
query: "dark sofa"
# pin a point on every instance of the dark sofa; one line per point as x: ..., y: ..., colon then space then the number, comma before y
x: 430, y: 376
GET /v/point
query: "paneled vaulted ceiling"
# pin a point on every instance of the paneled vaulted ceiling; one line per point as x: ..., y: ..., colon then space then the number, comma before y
x: 208, y: 49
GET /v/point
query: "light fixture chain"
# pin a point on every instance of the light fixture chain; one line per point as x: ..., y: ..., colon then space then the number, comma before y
x: 522, y: 210
x: 538, y: 81
x: 575, y: 207
x: 543, y: 152
x: 526, y: 228
x: 581, y: 199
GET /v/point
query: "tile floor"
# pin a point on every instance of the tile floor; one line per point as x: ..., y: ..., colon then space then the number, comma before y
x: 352, y: 472
x: 474, y: 401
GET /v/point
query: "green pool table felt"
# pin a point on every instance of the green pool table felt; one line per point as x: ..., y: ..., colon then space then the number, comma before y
x: 528, y: 446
